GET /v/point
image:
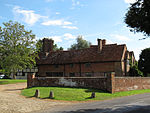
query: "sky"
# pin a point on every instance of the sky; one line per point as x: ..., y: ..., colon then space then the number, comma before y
x: 64, y: 20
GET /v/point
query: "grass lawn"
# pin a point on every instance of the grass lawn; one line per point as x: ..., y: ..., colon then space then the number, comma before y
x: 77, y: 94
x: 10, y: 81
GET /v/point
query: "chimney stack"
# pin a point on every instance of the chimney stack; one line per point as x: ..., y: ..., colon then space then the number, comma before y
x: 47, y: 45
x: 103, y: 42
x: 99, y: 45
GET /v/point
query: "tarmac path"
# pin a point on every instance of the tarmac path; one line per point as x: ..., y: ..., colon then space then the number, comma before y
x: 131, y: 104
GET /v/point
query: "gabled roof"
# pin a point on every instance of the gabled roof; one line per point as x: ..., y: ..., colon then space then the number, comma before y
x: 109, y: 53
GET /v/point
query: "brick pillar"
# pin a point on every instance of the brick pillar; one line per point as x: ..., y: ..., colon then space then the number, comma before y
x: 30, y: 80
x: 111, y: 82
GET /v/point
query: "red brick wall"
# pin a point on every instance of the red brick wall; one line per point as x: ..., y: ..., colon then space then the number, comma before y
x: 109, y: 83
x: 99, y: 83
x: 102, y: 83
x: 131, y: 83
x: 77, y: 68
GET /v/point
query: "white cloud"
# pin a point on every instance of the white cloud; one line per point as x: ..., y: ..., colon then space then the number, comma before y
x: 29, y: 16
x: 75, y: 3
x: 67, y: 23
x: 70, y: 27
x: 56, y: 23
x: 120, y: 37
x: 57, y: 13
x: 68, y: 36
x: 56, y: 38
x: 130, y: 1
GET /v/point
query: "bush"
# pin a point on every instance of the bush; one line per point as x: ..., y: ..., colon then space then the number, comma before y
x: 134, y: 71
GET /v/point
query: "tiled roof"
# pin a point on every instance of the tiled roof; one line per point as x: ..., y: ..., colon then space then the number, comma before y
x: 112, y: 52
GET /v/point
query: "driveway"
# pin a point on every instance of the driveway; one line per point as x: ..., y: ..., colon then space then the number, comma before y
x: 12, y: 102
x: 131, y: 104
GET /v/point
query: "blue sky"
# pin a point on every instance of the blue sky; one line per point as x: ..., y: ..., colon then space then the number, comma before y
x: 64, y: 20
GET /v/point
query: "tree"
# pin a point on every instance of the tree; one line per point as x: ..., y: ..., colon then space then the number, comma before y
x: 81, y: 44
x: 138, y: 17
x: 134, y: 71
x: 144, y: 61
x: 17, y: 46
x: 56, y: 48
x: 40, y: 44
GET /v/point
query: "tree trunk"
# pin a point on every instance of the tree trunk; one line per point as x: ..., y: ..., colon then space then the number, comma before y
x: 14, y: 75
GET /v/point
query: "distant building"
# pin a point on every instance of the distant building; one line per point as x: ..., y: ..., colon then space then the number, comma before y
x: 97, y: 60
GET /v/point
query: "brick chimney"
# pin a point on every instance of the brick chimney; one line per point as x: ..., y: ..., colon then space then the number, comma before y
x: 103, y: 42
x: 47, y: 45
x: 99, y: 45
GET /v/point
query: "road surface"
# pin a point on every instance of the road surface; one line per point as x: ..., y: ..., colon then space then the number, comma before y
x: 131, y: 104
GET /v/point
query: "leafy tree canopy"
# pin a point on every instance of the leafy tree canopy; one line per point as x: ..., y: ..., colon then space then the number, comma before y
x: 144, y: 61
x: 81, y: 44
x: 17, y: 47
x: 134, y: 71
x: 138, y: 17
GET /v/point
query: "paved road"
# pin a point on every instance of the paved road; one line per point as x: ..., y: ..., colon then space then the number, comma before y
x: 132, y: 104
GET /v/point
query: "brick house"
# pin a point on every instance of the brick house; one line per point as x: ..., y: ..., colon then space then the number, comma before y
x: 98, y: 60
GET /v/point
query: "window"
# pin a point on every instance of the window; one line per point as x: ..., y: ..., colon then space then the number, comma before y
x: 72, y: 74
x: 88, y: 74
x: 54, y: 74
x: 71, y: 65
x: 56, y: 66
x: 128, y: 62
x: 87, y: 64
x: 49, y: 74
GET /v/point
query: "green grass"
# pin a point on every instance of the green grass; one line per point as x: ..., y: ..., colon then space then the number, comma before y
x: 10, y: 81
x: 77, y: 94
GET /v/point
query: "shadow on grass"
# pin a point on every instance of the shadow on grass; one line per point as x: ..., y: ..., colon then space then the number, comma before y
x: 3, y: 82
x: 95, y: 90
x: 30, y: 96
x: 89, y: 98
x: 47, y: 98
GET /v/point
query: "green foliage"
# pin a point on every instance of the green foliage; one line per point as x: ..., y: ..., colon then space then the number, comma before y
x: 134, y: 71
x: 17, y: 46
x: 56, y: 48
x: 138, y: 17
x: 78, y: 94
x: 144, y: 61
x: 81, y: 44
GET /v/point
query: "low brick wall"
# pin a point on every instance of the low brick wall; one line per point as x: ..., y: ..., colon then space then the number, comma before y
x: 131, y: 83
x: 102, y: 83
x: 109, y: 83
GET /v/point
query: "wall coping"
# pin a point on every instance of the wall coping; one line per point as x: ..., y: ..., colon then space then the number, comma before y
x: 70, y: 77
x: 132, y: 77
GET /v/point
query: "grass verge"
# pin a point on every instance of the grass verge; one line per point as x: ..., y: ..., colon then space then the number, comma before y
x: 10, y: 81
x: 77, y: 94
